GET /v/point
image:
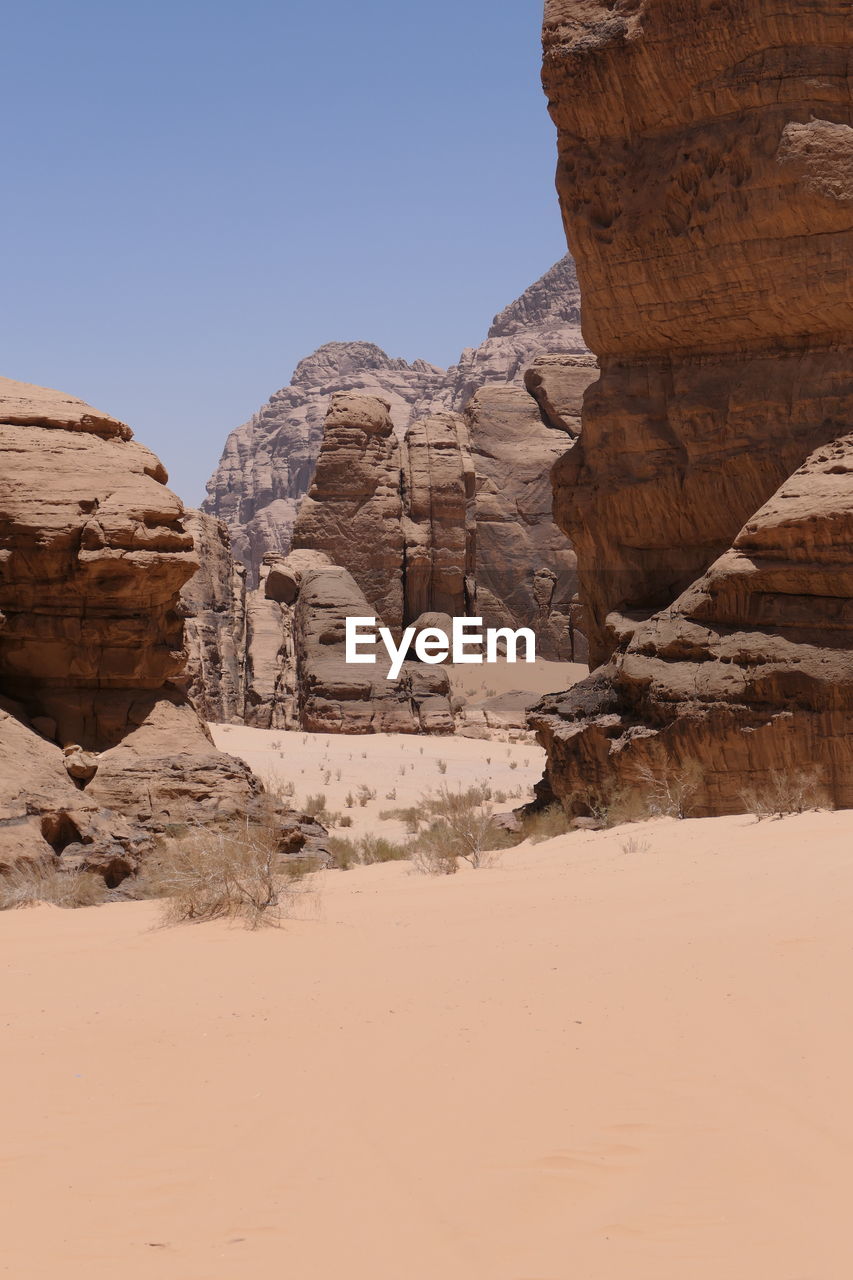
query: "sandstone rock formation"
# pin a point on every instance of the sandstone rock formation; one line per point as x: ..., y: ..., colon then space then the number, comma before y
x: 465, y: 528
x: 98, y: 745
x: 268, y: 463
x: 525, y: 569
x: 705, y: 153
x: 214, y: 607
x: 440, y: 532
x: 353, y: 511
x: 456, y: 520
x: 337, y: 697
x: 545, y: 318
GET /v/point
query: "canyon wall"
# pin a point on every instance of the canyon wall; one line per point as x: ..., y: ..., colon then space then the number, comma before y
x: 705, y: 162
x: 100, y: 749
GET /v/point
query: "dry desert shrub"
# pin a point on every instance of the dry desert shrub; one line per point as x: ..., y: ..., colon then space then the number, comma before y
x: 784, y: 793
x: 279, y: 789
x: 30, y: 883
x: 412, y: 816
x: 461, y: 826
x: 668, y: 794
x: 215, y: 873
x: 315, y: 805
x: 635, y: 845
x: 545, y: 824
x: 369, y: 849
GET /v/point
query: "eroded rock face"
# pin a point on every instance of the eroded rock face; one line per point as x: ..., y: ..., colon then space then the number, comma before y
x: 545, y: 318
x: 268, y: 463
x: 98, y: 745
x: 439, y: 523
x: 353, y: 511
x: 525, y: 569
x: 749, y: 673
x: 705, y: 153
x: 464, y: 526
x: 214, y: 608
x: 326, y: 694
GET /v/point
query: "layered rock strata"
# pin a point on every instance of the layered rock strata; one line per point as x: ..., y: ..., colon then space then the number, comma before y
x: 438, y: 492
x: 99, y: 748
x: 705, y: 153
x: 353, y: 511
x: 525, y: 569
x: 463, y: 527
x: 337, y: 697
x: 213, y: 603
x: 268, y: 463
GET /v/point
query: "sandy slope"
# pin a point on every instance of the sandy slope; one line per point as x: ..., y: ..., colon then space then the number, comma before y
x: 595, y: 1061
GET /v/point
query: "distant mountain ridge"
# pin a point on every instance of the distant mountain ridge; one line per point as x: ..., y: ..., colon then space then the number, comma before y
x: 267, y: 463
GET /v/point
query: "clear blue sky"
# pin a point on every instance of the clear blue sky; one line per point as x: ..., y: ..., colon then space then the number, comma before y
x: 197, y: 194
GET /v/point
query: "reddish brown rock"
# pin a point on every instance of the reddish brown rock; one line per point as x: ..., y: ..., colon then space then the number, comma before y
x: 353, y: 511
x: 339, y: 697
x: 705, y: 153
x: 558, y: 383
x: 748, y: 674
x: 439, y: 523
x: 525, y: 569
x: 713, y: 272
x: 268, y: 463
x: 99, y: 747
x: 214, y: 608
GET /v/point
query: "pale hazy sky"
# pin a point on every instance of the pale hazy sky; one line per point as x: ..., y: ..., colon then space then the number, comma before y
x: 199, y: 194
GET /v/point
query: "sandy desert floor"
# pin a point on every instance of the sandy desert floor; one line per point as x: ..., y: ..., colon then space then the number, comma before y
x: 401, y: 769
x: 621, y: 1054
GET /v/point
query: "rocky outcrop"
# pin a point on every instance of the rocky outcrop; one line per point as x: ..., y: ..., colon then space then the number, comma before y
x: 268, y: 463
x: 465, y: 528
x: 704, y: 161
x: 100, y: 748
x: 748, y: 674
x: 546, y: 318
x: 525, y: 569
x: 214, y: 607
x: 440, y: 529
x: 337, y: 697
x: 353, y: 511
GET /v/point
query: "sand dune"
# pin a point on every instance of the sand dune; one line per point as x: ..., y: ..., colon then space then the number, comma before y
x: 597, y: 1060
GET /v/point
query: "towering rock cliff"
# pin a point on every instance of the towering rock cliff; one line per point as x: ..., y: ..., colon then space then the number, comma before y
x: 525, y: 569
x: 99, y: 746
x: 353, y: 511
x: 545, y: 318
x: 705, y: 161
x: 268, y: 463
x: 439, y: 489
x: 464, y: 525
x: 213, y: 603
